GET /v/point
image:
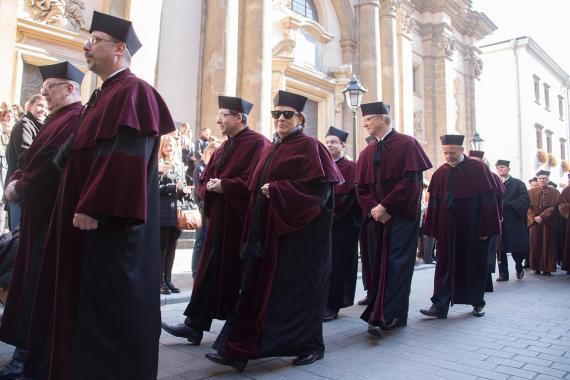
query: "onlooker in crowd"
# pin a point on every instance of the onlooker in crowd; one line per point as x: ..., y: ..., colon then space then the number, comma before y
x: 103, y: 312
x: 426, y: 244
x: 187, y: 150
x: 564, y: 207
x: 201, y: 231
x: 18, y: 111
x: 6, y: 124
x: 287, y: 248
x: 172, y: 188
x: 533, y: 182
x: 543, y: 221
x: 514, y: 231
x: 463, y: 213
x: 201, y: 142
x: 34, y: 185
x: 21, y: 137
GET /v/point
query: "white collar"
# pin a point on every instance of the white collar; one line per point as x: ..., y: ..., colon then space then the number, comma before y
x: 115, y: 73
x: 386, y: 134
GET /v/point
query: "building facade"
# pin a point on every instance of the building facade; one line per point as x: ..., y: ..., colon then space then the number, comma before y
x: 523, y: 109
x: 419, y: 56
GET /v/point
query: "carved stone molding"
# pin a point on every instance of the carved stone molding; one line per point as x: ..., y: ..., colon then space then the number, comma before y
x: 406, y: 22
x: 476, y: 62
x: 284, y: 48
x: 67, y: 14
x: 389, y: 6
x: 445, y: 43
x: 419, y: 129
x: 315, y: 29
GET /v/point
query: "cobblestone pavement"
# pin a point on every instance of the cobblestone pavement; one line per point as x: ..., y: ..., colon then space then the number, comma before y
x: 525, y: 335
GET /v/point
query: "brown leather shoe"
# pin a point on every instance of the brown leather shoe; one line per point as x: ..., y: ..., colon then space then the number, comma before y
x: 433, y: 312
x: 238, y: 364
x: 364, y: 301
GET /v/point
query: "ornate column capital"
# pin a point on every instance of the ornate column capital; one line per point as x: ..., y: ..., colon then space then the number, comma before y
x: 474, y: 57
x: 389, y: 7
x: 406, y: 22
x: 445, y: 43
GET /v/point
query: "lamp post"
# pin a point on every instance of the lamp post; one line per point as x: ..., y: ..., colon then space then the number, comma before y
x: 353, y: 93
x: 477, y: 142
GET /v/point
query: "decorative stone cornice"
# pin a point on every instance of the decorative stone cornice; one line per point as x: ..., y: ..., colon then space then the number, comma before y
x: 406, y: 22
x: 473, y: 56
x: 48, y: 33
x: 284, y: 48
x: 445, y: 42
x: 315, y: 29
x: 389, y: 6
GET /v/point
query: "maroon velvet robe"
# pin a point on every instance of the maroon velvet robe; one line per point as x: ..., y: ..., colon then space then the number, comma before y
x: 543, y: 237
x: 98, y: 292
x: 287, y: 253
x: 218, y: 279
x: 463, y: 207
x: 36, y: 188
x: 347, y: 219
x: 564, y: 208
x: 396, y: 183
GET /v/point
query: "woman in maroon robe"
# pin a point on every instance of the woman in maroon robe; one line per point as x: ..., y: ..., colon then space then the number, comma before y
x: 287, y: 248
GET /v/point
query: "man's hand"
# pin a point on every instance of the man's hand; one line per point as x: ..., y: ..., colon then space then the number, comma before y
x: 265, y: 190
x: 10, y: 192
x: 84, y: 222
x: 538, y: 219
x: 483, y: 237
x: 378, y: 212
x: 385, y: 218
x: 215, y: 185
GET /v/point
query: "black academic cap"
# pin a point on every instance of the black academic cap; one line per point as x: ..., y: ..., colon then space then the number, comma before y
x: 376, y: 108
x: 62, y: 70
x: 503, y: 163
x: 543, y: 172
x: 235, y: 104
x: 452, y: 139
x: 533, y: 179
x: 289, y: 99
x: 342, y: 135
x: 552, y: 184
x: 118, y: 28
x: 476, y: 153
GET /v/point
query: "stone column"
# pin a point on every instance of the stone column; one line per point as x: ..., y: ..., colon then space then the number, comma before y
x: 255, y: 73
x: 473, y: 69
x: 390, y: 62
x: 8, y: 27
x: 219, y: 59
x: 369, y: 50
x: 406, y: 25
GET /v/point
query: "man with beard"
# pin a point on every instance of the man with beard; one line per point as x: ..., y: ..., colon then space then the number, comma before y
x: 463, y: 212
x: 389, y: 177
x: 542, y: 219
x: 223, y: 187
x: 21, y: 137
x: 347, y: 219
x: 514, y: 231
x: 98, y: 301
x: 34, y: 187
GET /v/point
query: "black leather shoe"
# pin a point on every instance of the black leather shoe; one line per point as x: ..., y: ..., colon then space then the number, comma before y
x: 171, y: 286
x: 502, y: 278
x: 182, y: 330
x: 478, y: 311
x: 396, y: 322
x: 329, y: 315
x: 238, y: 364
x: 308, y: 359
x: 520, y: 275
x: 433, y: 312
x: 164, y: 289
x: 547, y: 274
x: 536, y: 272
x: 14, y: 368
x: 364, y: 301
x: 375, y: 331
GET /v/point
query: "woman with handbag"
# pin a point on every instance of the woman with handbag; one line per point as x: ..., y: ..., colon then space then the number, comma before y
x: 172, y: 188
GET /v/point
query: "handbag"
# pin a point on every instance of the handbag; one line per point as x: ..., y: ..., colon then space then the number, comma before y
x: 188, y: 219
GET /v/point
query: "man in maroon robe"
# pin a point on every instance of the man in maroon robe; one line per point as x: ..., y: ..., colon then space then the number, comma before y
x: 564, y: 209
x: 34, y: 187
x: 286, y: 248
x: 347, y: 219
x: 389, y: 177
x: 223, y: 187
x: 542, y: 219
x: 98, y: 303
x: 462, y: 214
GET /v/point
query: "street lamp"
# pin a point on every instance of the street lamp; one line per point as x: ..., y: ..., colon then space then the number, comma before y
x: 477, y: 142
x: 353, y: 93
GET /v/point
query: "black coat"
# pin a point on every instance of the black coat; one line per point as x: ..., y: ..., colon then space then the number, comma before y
x: 21, y: 137
x: 515, y: 206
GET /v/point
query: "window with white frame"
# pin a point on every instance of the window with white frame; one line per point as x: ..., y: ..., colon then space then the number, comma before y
x: 549, y: 141
x: 547, y: 97
x: 561, y: 107
x: 536, y: 88
x: 305, y: 8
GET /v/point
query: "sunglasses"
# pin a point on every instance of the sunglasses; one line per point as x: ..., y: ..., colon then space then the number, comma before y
x: 286, y: 114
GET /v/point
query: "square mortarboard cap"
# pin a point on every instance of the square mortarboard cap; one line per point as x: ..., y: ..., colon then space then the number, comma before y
x: 543, y: 172
x: 376, y: 108
x: 452, y: 139
x: 342, y: 135
x: 118, y: 28
x: 289, y: 99
x: 477, y: 153
x: 63, y: 70
x: 235, y: 104
x: 503, y: 163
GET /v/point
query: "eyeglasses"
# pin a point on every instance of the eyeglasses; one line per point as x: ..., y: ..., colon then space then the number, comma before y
x: 93, y: 40
x: 286, y: 114
x: 222, y: 115
x: 49, y: 86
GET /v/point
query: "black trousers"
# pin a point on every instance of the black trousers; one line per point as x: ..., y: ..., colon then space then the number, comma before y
x: 518, y: 257
x: 168, y: 240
